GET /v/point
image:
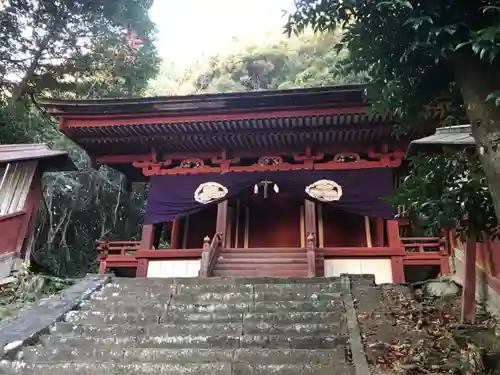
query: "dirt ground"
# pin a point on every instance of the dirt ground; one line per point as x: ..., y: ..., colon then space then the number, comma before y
x: 407, y: 333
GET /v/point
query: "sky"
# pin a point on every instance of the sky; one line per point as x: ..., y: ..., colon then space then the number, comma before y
x: 191, y: 29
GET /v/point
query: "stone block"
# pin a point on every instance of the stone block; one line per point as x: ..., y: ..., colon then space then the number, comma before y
x: 86, y: 368
x: 295, y: 306
x: 292, y: 342
x: 295, y: 317
x: 240, y: 368
x: 193, y: 318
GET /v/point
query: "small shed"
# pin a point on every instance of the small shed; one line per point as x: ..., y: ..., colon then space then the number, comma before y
x: 458, y: 137
x: 21, y: 169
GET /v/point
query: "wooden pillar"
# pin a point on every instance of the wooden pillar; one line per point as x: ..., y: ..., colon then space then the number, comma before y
x: 368, y: 232
x: 103, y: 267
x: 174, y: 234
x: 147, y: 237
x: 221, y: 226
x: 310, y: 220
x: 379, y: 232
x: 311, y: 237
x: 321, y: 231
x: 468, y: 315
x: 394, y: 241
x: 142, y: 268
x: 246, y: 236
x: 393, y: 233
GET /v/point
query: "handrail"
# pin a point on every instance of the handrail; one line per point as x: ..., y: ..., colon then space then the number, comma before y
x: 311, y: 256
x: 105, y: 248
x: 210, y: 254
x: 423, y: 244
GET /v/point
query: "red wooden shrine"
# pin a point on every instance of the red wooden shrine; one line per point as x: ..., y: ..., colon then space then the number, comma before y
x: 260, y: 231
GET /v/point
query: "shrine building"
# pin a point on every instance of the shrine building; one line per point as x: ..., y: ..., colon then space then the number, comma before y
x: 269, y: 183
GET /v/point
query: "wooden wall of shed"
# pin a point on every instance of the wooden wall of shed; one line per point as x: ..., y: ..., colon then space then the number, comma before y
x: 487, y: 255
x: 14, y: 228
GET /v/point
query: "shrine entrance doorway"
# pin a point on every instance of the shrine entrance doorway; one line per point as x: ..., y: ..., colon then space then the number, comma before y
x: 274, y: 220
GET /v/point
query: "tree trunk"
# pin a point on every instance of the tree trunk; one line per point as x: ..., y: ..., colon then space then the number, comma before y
x: 477, y: 80
x: 19, y: 90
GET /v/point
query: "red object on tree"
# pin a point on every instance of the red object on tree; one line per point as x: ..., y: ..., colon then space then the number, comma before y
x: 133, y: 41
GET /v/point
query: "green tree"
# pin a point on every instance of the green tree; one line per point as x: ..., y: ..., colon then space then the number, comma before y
x: 420, y: 53
x: 275, y: 62
x: 448, y: 190
x: 72, y: 46
x: 73, y: 49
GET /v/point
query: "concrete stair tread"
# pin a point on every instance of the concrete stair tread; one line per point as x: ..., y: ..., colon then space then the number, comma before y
x: 106, y: 368
x: 220, y: 317
x: 140, y: 368
x: 206, y: 329
x: 318, y: 303
x: 159, y: 355
x: 256, y: 272
x: 107, y: 317
x: 161, y: 283
x: 227, y: 341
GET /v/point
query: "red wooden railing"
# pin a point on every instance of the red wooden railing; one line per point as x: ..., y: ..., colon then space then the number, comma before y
x: 105, y: 248
x: 423, y: 244
x: 210, y: 254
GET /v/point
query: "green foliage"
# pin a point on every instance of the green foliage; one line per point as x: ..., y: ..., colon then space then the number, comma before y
x: 73, y: 49
x: 407, y: 48
x: 28, y: 287
x: 446, y: 191
x: 423, y: 53
x: 306, y: 61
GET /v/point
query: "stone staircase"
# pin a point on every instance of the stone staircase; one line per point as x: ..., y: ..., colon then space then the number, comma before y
x: 230, y: 326
x: 274, y: 262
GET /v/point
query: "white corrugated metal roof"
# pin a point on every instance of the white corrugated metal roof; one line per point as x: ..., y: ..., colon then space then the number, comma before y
x: 35, y: 151
x: 459, y: 135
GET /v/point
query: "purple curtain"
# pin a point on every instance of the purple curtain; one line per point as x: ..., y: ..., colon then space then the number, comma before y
x: 363, y: 190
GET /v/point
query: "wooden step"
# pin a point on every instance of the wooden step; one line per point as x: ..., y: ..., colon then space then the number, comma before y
x: 237, y: 255
x: 260, y: 272
x: 250, y: 266
x: 266, y: 250
x: 258, y: 261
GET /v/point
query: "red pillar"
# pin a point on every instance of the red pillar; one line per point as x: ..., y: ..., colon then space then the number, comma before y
x: 379, y: 232
x: 103, y: 267
x: 147, y: 237
x: 468, y: 315
x: 394, y: 241
x: 142, y: 268
x: 174, y: 234
x: 311, y: 237
x: 221, y: 226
